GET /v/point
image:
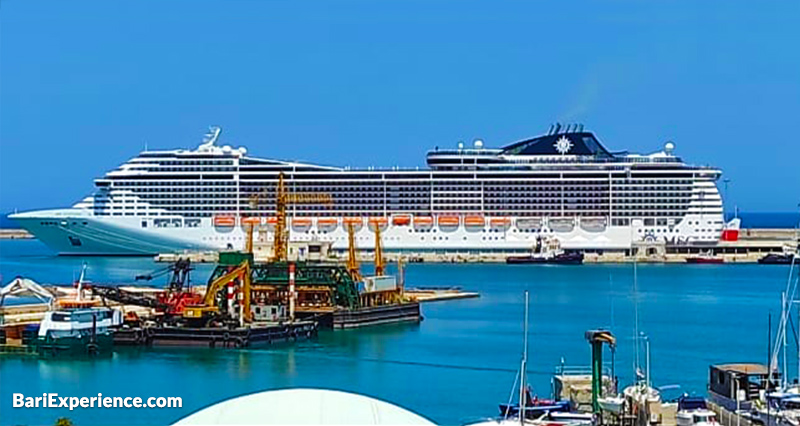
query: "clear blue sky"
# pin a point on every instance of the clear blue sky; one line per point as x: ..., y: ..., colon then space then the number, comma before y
x: 84, y: 84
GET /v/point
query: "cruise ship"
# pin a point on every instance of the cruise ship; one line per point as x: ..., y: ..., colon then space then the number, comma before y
x: 564, y: 184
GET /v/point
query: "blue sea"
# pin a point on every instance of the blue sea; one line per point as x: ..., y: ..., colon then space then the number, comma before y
x: 455, y: 366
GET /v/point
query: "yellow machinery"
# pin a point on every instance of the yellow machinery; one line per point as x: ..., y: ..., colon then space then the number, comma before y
x: 380, y: 264
x: 208, y: 309
x: 352, y: 254
x: 282, y: 199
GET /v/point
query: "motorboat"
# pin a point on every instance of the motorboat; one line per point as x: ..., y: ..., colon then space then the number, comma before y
x: 705, y: 258
x: 612, y: 404
x: 76, y: 331
x: 693, y: 411
x: 780, y: 259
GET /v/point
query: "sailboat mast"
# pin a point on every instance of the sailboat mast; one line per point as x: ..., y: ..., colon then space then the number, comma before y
x: 635, y: 321
x: 523, y: 367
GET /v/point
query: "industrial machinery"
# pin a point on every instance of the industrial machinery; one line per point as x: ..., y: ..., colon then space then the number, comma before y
x: 218, y: 307
x: 380, y: 264
x: 283, y: 198
x: 596, y: 339
x: 352, y: 254
x: 179, y: 292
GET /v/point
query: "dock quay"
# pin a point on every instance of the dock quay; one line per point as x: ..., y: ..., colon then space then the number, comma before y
x: 435, y: 294
x: 729, y: 418
x: 751, y: 246
x: 15, y: 234
x: 377, y: 315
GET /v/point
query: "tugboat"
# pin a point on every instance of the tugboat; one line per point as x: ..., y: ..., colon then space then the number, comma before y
x: 780, y: 259
x: 548, y: 251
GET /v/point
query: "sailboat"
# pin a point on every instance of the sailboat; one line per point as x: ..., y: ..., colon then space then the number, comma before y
x: 530, y: 410
x: 639, y: 394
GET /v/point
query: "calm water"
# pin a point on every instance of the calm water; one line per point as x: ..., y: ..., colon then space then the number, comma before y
x: 455, y: 366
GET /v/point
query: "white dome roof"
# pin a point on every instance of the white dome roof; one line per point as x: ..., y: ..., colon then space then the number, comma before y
x: 303, y: 406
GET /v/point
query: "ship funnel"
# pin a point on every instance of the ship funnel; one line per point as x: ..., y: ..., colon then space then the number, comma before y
x: 550, y: 130
x: 558, y: 127
x: 580, y: 128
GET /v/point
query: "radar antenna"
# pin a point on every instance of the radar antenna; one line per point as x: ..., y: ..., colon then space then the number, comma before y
x: 210, y: 138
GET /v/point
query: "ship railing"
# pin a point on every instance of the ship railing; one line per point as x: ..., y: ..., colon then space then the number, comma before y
x: 579, y: 370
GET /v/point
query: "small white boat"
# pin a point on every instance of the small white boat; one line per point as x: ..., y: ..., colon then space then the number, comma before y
x: 89, y: 330
x: 612, y: 404
x: 692, y: 411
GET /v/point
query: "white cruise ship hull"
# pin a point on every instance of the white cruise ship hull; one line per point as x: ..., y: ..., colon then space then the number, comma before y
x: 78, y: 232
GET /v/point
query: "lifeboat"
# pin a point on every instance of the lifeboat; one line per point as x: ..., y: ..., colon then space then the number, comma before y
x: 449, y: 221
x: 355, y: 222
x: 301, y: 223
x: 272, y: 221
x: 475, y: 222
x: 252, y: 220
x: 327, y: 223
x: 378, y: 222
x: 401, y: 220
x: 500, y: 222
x: 525, y: 224
x: 224, y: 221
x: 423, y: 222
x: 593, y: 224
x: 561, y: 224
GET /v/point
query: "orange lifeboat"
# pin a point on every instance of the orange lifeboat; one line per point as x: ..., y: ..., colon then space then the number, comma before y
x: 224, y: 221
x: 272, y: 221
x: 355, y: 222
x: 474, y: 221
x: 327, y: 223
x: 500, y: 222
x: 401, y: 220
x: 423, y: 222
x: 252, y: 220
x: 378, y: 222
x: 301, y: 222
x: 449, y: 221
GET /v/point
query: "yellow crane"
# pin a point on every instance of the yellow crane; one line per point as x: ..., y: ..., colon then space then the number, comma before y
x: 380, y: 264
x: 352, y: 259
x: 282, y: 199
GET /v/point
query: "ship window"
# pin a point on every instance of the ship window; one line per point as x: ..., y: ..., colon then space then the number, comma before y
x: 144, y: 224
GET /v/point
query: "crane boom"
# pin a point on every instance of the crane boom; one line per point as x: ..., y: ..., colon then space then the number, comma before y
x: 352, y: 260
x: 380, y: 265
x: 282, y: 199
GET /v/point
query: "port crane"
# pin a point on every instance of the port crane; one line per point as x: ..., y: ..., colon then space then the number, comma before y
x: 284, y: 198
x: 352, y: 254
x: 171, y: 301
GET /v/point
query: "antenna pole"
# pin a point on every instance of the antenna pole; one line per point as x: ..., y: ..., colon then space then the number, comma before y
x: 522, y: 382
